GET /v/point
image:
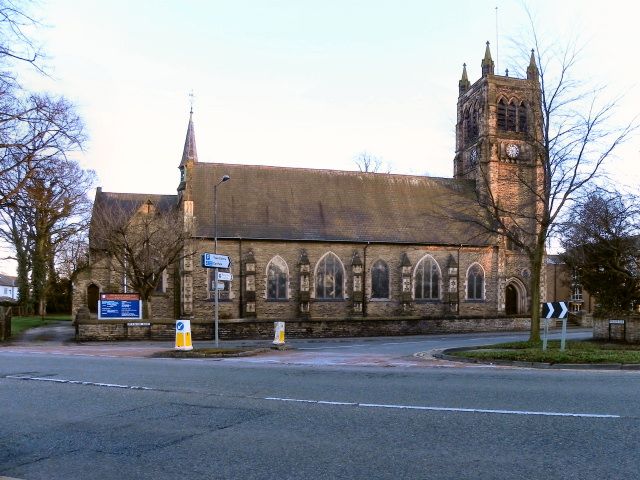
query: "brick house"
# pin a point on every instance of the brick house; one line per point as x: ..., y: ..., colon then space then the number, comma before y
x: 349, y: 248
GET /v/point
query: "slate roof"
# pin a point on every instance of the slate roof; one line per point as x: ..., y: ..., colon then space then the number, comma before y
x: 7, y: 280
x: 126, y: 204
x: 262, y: 202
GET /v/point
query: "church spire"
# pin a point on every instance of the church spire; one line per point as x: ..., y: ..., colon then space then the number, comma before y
x: 487, y: 62
x: 190, y: 154
x: 463, y: 84
x: 532, y: 69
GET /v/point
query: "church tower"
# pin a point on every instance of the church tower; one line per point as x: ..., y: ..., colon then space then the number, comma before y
x: 499, y: 145
x: 498, y: 135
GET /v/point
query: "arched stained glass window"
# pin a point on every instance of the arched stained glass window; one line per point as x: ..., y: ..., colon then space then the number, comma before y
x: 475, y: 283
x: 380, y: 280
x: 277, y: 276
x: 329, y: 278
x: 427, y: 279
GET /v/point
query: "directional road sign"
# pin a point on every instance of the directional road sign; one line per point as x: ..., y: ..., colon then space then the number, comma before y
x: 225, y: 276
x: 212, y: 260
x: 555, y: 310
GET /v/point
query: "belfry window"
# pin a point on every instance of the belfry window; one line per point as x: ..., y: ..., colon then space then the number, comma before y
x: 427, y: 279
x: 512, y: 117
x: 522, y: 118
x: 502, y: 115
x: 329, y: 278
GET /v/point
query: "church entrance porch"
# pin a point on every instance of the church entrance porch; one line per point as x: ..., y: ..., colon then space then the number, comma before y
x: 515, y: 298
x: 93, y: 295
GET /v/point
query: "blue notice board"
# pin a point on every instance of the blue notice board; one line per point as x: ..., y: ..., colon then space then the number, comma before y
x: 116, y: 306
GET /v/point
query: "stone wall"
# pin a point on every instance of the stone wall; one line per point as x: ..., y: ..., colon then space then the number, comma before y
x: 617, y: 329
x: 108, y: 330
x: 247, y: 299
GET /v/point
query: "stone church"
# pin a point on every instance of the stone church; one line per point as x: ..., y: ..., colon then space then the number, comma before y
x: 340, y: 253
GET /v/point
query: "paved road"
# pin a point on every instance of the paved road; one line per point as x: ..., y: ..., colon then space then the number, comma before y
x: 66, y: 416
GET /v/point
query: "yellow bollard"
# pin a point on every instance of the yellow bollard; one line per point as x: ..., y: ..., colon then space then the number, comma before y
x: 183, y: 335
x: 279, y: 334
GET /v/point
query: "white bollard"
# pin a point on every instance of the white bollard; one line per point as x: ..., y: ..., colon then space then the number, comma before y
x: 279, y: 334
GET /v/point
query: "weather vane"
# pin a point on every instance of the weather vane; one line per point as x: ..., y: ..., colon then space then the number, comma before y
x: 191, y: 100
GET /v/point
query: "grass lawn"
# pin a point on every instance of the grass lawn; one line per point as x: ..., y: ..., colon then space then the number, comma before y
x: 587, y: 351
x: 20, y: 324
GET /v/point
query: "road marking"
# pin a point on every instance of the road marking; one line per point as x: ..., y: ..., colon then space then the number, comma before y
x: 336, y: 403
x: 447, y: 409
x: 362, y: 345
x: 78, y: 382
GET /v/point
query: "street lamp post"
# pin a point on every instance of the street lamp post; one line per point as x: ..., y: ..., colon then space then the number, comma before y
x: 215, y: 250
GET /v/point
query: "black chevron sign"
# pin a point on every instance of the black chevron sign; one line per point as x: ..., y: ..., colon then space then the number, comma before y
x: 554, y: 310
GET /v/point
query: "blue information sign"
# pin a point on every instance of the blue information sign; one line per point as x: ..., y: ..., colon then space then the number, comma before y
x: 113, y: 306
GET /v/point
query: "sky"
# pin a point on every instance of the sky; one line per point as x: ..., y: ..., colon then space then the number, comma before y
x: 302, y: 83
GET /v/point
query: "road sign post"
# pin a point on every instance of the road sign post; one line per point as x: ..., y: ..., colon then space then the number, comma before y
x: 554, y: 310
x: 216, y: 261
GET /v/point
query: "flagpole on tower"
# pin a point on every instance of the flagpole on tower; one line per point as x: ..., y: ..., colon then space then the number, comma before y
x: 497, y: 44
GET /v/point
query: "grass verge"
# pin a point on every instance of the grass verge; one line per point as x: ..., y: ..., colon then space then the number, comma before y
x: 20, y: 324
x: 588, y: 351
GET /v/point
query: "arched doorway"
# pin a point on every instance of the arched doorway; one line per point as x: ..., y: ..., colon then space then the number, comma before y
x: 93, y: 294
x: 511, y: 300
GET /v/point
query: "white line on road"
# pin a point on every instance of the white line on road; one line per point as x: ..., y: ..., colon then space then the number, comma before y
x: 78, y: 382
x: 448, y: 409
x: 336, y: 403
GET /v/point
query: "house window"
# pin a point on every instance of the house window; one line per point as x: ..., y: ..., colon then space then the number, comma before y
x: 277, y: 276
x: 475, y: 283
x: 577, y: 294
x: 329, y: 278
x: 427, y: 279
x: 380, y: 280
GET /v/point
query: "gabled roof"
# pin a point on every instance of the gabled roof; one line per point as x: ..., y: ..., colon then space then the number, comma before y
x: 261, y: 202
x: 125, y: 204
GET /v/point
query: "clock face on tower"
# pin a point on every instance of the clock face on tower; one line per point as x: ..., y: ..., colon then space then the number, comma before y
x: 513, y: 151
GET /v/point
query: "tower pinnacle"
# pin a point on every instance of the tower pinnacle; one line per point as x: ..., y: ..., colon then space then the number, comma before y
x: 532, y: 69
x: 464, y: 84
x: 487, y: 63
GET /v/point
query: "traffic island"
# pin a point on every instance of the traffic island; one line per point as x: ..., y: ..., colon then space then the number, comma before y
x: 210, y: 353
x: 578, y: 354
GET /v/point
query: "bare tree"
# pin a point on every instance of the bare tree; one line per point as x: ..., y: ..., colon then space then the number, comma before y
x: 368, y: 163
x: 35, y: 133
x: 142, y: 241
x: 51, y: 207
x: 16, y: 46
x: 73, y: 256
x: 576, y: 137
